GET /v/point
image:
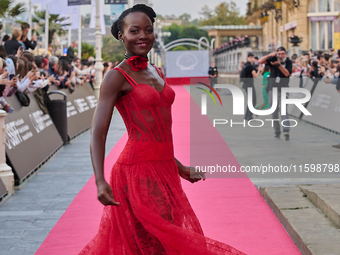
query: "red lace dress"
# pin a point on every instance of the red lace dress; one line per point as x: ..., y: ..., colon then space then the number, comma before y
x: 154, y: 215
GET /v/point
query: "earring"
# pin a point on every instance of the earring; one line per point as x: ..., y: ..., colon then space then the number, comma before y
x: 122, y: 40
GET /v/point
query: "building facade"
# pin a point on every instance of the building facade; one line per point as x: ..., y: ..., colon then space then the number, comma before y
x: 313, y: 21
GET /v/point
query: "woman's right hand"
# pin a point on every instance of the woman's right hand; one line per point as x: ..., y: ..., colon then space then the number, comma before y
x: 105, y: 195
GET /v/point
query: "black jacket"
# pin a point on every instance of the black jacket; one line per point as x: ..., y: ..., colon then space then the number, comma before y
x: 70, y: 53
x: 30, y: 44
x: 12, y: 46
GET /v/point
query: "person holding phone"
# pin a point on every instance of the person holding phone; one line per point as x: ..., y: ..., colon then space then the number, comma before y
x: 4, y: 83
x: 29, y: 44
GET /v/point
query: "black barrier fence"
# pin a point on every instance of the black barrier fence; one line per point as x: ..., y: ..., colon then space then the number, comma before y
x: 325, y: 107
x: 31, y: 135
x: 3, y: 190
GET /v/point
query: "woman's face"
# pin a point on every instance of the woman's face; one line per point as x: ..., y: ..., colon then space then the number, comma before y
x: 138, y: 35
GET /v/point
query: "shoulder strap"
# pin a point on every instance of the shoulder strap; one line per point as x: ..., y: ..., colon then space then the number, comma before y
x: 128, y: 78
x: 159, y: 71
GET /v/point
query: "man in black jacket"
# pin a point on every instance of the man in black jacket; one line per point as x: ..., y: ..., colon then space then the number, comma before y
x: 70, y: 51
x: 250, y: 73
x: 213, y: 73
x: 281, y: 68
x: 30, y: 44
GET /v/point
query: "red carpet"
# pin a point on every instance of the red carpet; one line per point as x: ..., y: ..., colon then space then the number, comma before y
x: 230, y: 210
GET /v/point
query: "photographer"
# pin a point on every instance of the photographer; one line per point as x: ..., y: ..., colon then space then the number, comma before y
x: 213, y: 72
x: 281, y: 69
x: 250, y: 72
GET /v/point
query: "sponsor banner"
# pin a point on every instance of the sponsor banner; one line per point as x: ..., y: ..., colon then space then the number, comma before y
x: 78, y: 2
x: 116, y: 1
x: 307, y: 83
x: 187, y: 63
x: 325, y: 107
x: 322, y: 18
x: 80, y: 107
x: 290, y: 25
x: 31, y: 137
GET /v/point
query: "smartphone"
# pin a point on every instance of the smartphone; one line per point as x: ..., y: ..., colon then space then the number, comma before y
x: 11, y: 76
x: 21, y: 48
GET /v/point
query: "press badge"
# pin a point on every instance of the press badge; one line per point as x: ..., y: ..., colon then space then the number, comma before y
x: 277, y: 80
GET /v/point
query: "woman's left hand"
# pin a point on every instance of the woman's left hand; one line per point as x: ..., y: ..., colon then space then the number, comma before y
x: 191, y: 174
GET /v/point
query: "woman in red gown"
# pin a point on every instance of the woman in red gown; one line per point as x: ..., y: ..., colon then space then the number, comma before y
x: 146, y: 210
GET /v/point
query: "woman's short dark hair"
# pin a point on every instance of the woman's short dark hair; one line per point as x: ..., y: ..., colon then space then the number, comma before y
x: 117, y: 26
x: 266, y: 68
x: 315, y: 64
x: 5, y: 38
x: 38, y: 60
x: 3, y: 52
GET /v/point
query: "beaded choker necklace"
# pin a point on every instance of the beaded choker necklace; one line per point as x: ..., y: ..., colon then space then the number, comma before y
x: 136, y: 62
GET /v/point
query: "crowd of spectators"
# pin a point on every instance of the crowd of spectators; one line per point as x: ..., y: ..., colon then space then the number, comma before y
x: 22, y: 72
x: 324, y: 66
x: 319, y: 65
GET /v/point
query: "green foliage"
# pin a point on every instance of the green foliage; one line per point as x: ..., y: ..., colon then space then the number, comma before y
x: 185, y: 31
x: 180, y: 47
x: 112, y: 49
x: 8, y: 10
x: 224, y: 14
x: 55, y: 24
x: 87, y: 50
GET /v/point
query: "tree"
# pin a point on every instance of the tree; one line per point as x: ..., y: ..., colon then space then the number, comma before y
x: 112, y: 49
x: 174, y: 29
x: 185, y: 18
x: 56, y: 24
x: 87, y: 50
x: 8, y: 10
x: 184, y: 31
x: 224, y: 14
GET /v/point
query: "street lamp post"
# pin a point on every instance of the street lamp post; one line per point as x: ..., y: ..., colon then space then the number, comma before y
x: 29, y: 19
x: 99, y: 65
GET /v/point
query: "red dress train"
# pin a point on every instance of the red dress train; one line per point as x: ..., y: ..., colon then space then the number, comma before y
x: 154, y: 215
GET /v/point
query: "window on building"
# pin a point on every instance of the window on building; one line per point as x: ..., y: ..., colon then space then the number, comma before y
x: 330, y: 34
x: 314, y: 38
x: 312, y: 6
x: 321, y: 32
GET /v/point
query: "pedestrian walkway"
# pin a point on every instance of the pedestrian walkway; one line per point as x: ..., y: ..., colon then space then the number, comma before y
x: 28, y: 216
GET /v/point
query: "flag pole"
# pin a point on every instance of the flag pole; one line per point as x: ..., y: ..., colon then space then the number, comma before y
x: 79, y: 34
x: 47, y: 18
x: 29, y: 19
